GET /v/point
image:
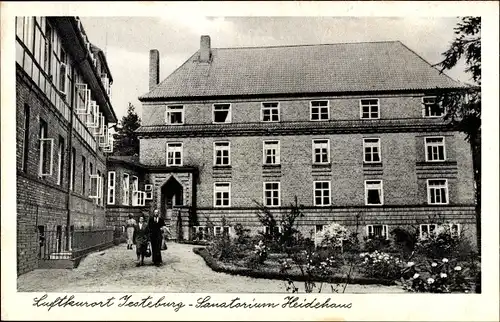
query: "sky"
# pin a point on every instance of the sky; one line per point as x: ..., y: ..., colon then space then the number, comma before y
x: 127, y: 41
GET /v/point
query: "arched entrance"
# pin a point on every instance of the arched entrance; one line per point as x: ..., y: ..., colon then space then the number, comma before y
x: 171, y: 195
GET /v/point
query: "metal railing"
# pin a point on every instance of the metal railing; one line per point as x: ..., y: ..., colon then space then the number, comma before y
x: 52, y: 243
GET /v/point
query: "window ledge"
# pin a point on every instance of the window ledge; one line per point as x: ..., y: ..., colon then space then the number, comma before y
x: 222, y: 167
x: 322, y: 165
x: 271, y: 166
x: 372, y: 165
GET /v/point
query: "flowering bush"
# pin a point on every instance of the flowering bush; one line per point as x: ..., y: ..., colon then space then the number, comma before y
x: 443, y: 244
x: 444, y: 276
x: 332, y: 235
x: 381, y: 265
x: 262, y: 251
x: 313, y: 265
x: 377, y: 243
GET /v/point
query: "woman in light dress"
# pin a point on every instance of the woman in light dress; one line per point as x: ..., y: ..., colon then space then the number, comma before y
x: 130, y: 231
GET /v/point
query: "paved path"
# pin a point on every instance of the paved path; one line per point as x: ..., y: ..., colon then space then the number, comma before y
x: 114, y: 270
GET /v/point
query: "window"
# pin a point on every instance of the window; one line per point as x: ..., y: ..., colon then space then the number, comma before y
x: 272, y: 194
x: 369, y: 108
x: 322, y: 193
x: 271, y: 152
x: 437, y: 191
x: 95, y: 185
x: 371, y: 148
x: 93, y: 115
x: 140, y: 198
x: 84, y: 173
x: 222, y: 194
x: 320, y: 111
x: 135, y: 191
x: 435, y: 149
x: 222, y: 113
x: 221, y: 231
x: 91, y: 169
x: 72, y: 169
x: 60, y: 161
x: 26, y: 135
x: 62, y: 78
x: 48, y: 48
x: 111, y: 187
x: 174, y: 154
x: 373, y: 192
x: 321, y: 151
x: 431, y: 108
x: 317, y: 230
x: 377, y: 231
x: 200, y: 232
x: 426, y: 230
x: 148, y: 188
x: 270, y: 112
x: 100, y: 200
x: 454, y: 230
x: 277, y: 230
x: 82, y: 99
x: 46, y: 151
x: 174, y: 115
x: 222, y: 152
x: 125, y: 189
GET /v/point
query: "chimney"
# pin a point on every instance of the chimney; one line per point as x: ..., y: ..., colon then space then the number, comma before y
x: 154, y: 68
x: 205, y: 51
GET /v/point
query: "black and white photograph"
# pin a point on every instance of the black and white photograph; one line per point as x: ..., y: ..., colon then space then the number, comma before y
x: 213, y: 153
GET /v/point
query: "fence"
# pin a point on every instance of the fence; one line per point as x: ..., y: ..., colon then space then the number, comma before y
x: 53, y: 243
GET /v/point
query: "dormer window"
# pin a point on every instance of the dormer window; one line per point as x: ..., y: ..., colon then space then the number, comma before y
x: 431, y: 107
x: 174, y: 114
x: 222, y: 113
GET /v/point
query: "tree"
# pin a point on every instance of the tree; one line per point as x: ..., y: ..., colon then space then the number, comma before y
x: 463, y: 107
x: 126, y: 141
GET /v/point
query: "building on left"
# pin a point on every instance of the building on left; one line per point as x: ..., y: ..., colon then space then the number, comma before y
x: 64, y: 115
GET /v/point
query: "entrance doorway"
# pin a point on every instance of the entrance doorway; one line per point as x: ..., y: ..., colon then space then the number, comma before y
x: 171, y: 196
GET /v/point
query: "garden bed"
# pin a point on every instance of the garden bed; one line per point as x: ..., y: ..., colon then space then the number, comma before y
x: 193, y: 242
x: 271, y: 270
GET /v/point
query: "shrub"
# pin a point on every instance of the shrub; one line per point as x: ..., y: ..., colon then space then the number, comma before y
x: 261, y: 251
x: 445, y: 276
x: 442, y: 244
x: 333, y: 236
x: 377, y: 243
x: 276, y: 240
x: 381, y: 265
x: 352, y: 244
x: 404, y: 241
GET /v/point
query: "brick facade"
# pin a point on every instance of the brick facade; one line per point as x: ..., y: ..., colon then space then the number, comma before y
x: 294, y: 82
x: 403, y: 169
x: 46, y: 202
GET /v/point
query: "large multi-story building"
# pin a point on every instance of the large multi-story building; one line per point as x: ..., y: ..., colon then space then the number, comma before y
x: 348, y: 129
x: 63, y: 90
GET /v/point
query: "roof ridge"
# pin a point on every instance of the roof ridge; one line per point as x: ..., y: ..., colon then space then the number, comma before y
x: 312, y: 45
x: 171, y: 74
x: 431, y: 65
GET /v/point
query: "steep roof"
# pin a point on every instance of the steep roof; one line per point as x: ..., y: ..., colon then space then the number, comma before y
x: 345, y: 67
x: 104, y: 61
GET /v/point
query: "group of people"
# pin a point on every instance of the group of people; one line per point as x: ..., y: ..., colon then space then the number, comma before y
x: 142, y: 234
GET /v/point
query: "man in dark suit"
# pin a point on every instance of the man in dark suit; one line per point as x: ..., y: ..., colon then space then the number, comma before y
x: 155, y: 236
